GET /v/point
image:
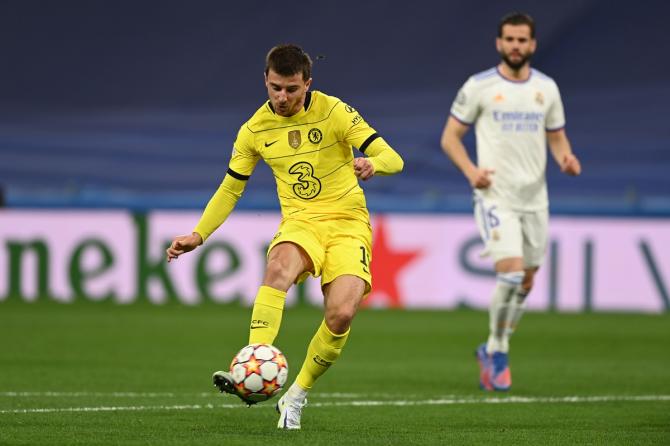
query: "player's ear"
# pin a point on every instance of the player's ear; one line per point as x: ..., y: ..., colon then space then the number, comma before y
x: 498, y: 44
x: 533, y: 45
x: 308, y: 84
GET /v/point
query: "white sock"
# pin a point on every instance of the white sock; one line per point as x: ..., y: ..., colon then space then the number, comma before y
x: 506, y: 285
x: 516, y: 310
x: 296, y: 393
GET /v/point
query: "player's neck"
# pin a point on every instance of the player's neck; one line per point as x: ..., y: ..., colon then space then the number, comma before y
x: 522, y: 74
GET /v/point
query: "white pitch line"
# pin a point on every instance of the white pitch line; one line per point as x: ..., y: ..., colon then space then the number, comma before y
x: 213, y: 393
x: 123, y: 408
x: 429, y: 402
x: 505, y: 400
x: 102, y: 394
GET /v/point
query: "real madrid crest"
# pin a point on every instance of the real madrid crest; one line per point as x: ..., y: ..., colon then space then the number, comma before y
x: 294, y: 138
x: 539, y: 98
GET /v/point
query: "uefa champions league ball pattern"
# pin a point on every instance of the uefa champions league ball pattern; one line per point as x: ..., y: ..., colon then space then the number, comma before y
x: 259, y: 372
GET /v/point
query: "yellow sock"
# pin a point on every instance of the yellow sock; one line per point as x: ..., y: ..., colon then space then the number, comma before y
x: 266, y: 315
x: 323, y: 351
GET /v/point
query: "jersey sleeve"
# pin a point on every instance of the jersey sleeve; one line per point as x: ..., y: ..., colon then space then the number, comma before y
x: 555, y: 114
x: 466, y: 107
x: 351, y: 127
x: 245, y: 156
x: 359, y: 134
x: 220, y: 206
x: 384, y: 159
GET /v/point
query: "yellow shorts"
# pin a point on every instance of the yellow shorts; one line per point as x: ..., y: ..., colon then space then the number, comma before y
x: 336, y: 247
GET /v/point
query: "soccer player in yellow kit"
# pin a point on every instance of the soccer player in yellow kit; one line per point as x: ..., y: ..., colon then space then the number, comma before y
x: 306, y: 138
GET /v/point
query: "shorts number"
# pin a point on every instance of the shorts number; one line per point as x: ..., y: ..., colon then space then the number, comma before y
x: 492, y: 217
x: 365, y: 260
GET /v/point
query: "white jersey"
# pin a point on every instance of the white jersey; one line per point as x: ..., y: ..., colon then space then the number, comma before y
x: 511, y: 120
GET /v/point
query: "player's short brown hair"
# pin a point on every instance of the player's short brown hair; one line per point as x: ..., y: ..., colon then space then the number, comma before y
x: 287, y: 60
x: 517, y: 18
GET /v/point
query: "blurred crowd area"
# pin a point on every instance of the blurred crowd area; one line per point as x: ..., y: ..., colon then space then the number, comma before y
x: 136, y: 104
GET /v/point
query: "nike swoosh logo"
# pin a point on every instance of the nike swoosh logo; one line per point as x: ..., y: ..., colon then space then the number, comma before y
x: 269, y: 144
x: 258, y: 326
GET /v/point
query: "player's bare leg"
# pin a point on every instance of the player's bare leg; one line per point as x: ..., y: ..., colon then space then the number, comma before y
x: 341, y: 300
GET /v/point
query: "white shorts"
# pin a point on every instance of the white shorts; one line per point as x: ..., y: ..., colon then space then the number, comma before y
x: 507, y: 233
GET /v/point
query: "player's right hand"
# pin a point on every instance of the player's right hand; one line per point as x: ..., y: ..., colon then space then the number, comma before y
x: 182, y: 244
x: 570, y: 164
x: 480, y: 178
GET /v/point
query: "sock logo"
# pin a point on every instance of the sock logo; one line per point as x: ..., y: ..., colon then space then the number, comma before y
x: 258, y: 323
x: 322, y: 362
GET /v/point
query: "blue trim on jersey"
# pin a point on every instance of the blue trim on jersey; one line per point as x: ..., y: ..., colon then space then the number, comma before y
x: 556, y: 129
x: 513, y: 81
x: 460, y: 120
x: 479, y: 203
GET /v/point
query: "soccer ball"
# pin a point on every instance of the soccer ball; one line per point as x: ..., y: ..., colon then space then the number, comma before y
x: 259, y: 372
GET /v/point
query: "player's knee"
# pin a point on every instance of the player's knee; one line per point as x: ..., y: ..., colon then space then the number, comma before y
x: 526, y: 288
x: 528, y: 281
x: 279, y: 274
x: 339, y: 320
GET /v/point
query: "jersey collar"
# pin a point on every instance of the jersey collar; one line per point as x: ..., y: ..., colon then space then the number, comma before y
x: 514, y: 81
x: 308, y: 100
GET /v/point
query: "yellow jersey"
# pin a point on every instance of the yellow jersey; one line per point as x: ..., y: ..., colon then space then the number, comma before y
x: 311, y: 157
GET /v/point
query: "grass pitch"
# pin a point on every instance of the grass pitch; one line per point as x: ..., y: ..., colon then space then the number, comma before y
x: 102, y: 374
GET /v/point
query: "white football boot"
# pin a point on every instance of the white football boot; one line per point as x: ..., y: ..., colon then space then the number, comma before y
x: 289, y: 411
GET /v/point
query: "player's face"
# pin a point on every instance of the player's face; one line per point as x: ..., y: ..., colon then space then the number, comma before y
x: 287, y: 94
x: 516, y: 46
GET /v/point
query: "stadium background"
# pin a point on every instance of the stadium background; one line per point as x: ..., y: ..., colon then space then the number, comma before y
x: 132, y: 107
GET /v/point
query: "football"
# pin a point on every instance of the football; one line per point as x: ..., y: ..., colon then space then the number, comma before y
x: 259, y: 372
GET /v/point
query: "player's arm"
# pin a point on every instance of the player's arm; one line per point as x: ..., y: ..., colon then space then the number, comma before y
x: 562, y: 152
x: 242, y: 163
x: 452, y: 144
x: 381, y: 159
x: 216, y: 212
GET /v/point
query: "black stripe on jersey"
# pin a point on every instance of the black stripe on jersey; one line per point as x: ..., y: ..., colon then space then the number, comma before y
x: 237, y: 176
x: 368, y: 141
x: 308, y: 99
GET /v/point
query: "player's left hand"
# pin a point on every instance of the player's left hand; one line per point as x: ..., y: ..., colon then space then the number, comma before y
x: 571, y: 165
x: 363, y: 168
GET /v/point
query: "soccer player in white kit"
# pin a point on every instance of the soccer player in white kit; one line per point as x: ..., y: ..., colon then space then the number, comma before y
x: 516, y: 111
